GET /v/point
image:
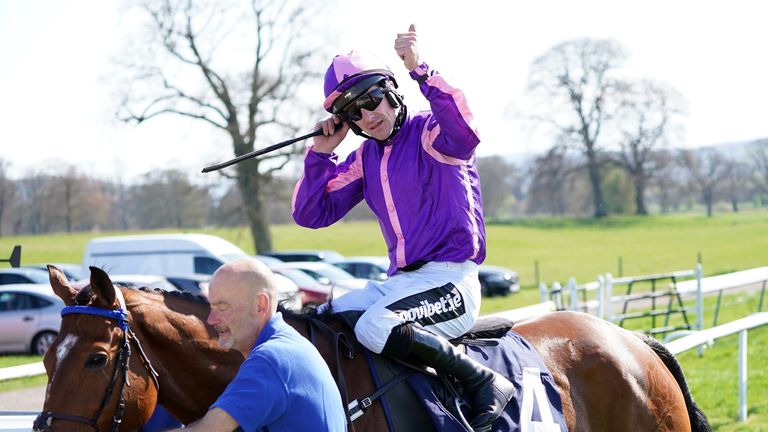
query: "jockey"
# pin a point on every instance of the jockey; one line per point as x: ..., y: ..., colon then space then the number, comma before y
x: 418, y: 175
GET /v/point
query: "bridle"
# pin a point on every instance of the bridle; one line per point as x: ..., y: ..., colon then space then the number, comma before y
x: 44, y: 420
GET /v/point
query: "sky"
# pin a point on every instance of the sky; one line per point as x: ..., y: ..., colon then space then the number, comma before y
x: 56, y: 56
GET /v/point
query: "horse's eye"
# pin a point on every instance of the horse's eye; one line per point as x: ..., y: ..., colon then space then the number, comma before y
x: 96, y: 361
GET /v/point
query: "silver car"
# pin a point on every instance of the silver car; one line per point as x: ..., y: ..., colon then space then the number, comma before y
x: 30, y: 316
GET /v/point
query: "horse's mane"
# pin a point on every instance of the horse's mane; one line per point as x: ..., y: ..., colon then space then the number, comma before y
x: 180, y: 294
x: 86, y: 293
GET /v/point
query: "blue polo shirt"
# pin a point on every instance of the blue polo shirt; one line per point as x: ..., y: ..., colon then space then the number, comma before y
x: 283, y: 385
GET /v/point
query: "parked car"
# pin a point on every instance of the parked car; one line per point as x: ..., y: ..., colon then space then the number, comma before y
x: 30, y: 317
x: 160, y: 254
x: 73, y: 272
x: 288, y: 294
x: 306, y: 255
x: 268, y: 260
x: 365, y: 267
x: 497, y: 281
x: 313, y: 293
x: 22, y: 275
x: 194, y: 283
x: 326, y: 274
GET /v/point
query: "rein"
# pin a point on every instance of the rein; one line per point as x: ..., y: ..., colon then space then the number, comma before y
x: 357, y: 407
x: 44, y: 420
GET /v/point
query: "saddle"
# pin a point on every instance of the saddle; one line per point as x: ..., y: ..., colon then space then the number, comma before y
x: 417, y: 399
x: 411, y: 406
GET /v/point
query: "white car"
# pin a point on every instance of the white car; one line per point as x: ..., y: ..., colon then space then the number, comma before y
x: 327, y: 274
x: 30, y: 317
x: 365, y: 267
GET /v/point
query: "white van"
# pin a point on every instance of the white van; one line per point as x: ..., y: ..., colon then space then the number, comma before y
x: 161, y: 254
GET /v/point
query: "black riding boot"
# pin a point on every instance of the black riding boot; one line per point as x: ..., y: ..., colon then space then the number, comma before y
x: 486, y: 391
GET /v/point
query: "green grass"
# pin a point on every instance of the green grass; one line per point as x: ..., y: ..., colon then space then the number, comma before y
x: 15, y: 384
x: 581, y: 248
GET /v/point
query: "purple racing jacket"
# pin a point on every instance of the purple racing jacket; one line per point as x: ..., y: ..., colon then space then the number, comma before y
x: 422, y: 184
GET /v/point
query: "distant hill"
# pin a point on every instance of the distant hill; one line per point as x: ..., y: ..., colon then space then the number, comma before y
x: 736, y: 149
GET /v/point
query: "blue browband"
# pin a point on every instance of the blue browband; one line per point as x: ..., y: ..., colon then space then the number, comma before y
x: 118, y: 314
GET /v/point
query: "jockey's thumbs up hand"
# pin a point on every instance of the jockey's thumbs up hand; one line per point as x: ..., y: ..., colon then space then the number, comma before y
x: 405, y: 46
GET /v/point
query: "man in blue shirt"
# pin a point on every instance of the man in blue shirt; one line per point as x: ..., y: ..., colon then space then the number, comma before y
x: 283, y: 384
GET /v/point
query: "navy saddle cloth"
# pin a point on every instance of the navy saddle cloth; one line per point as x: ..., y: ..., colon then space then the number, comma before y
x: 535, y: 407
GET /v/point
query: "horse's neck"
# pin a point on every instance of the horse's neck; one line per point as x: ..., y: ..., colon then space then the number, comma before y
x: 182, y: 348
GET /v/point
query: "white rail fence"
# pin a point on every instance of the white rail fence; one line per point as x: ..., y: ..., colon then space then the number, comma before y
x: 10, y: 421
x: 740, y: 326
x: 598, y: 297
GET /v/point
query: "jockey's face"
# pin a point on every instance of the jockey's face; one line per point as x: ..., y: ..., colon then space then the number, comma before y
x: 380, y: 121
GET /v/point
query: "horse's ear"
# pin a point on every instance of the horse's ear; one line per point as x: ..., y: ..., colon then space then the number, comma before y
x: 61, y: 286
x: 102, y: 286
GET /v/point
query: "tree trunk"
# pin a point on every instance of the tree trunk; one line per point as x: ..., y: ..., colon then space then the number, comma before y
x: 640, y: 195
x: 248, y: 181
x: 708, y: 197
x: 594, y: 179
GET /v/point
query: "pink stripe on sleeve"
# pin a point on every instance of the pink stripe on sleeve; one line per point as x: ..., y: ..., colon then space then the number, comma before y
x: 459, y: 99
x: 428, y: 139
x: 355, y: 172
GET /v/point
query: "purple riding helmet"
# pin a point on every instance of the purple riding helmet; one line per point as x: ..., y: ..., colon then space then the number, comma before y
x: 351, y: 76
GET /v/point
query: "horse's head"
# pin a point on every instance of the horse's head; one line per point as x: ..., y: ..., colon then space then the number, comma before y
x: 95, y: 365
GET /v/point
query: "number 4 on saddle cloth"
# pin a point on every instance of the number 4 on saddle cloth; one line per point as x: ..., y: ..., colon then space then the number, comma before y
x: 428, y: 402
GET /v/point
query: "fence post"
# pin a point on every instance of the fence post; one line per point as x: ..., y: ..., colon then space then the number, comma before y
x: 601, y: 296
x: 574, y: 293
x: 543, y: 294
x: 609, y: 296
x: 699, y: 299
x: 557, y: 295
x: 743, y: 375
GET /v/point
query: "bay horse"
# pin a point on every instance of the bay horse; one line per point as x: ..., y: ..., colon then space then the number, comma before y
x: 121, y: 351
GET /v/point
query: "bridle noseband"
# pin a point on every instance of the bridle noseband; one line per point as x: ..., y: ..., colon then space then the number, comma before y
x: 44, y: 420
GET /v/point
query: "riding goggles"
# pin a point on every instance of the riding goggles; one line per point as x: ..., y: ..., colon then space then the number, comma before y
x: 369, y: 101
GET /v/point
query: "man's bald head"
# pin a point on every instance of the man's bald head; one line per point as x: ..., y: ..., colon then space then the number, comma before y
x: 245, y: 278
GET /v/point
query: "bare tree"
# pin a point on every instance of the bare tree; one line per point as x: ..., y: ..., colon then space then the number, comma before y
x: 758, y: 155
x: 549, y: 180
x: 669, y: 181
x: 500, y: 185
x: 708, y: 169
x: 6, y: 191
x: 736, y: 182
x: 575, y: 77
x: 645, y: 119
x: 168, y: 199
x: 245, y: 96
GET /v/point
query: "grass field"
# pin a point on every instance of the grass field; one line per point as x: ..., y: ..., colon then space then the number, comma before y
x: 563, y: 248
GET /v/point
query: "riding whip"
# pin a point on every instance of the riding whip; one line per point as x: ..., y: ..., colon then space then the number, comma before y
x: 255, y: 153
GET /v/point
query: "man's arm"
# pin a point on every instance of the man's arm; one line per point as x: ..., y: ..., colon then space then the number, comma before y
x: 215, y: 420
